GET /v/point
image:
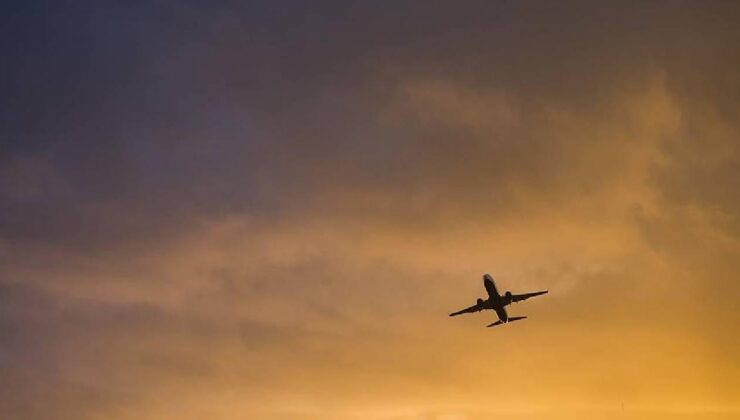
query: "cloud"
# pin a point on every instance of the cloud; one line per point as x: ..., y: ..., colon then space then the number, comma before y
x: 258, y: 211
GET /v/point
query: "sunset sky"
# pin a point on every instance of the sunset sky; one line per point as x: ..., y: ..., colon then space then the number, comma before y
x: 230, y: 210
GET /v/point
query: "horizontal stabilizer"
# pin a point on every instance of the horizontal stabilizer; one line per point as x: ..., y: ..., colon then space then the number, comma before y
x: 512, y: 319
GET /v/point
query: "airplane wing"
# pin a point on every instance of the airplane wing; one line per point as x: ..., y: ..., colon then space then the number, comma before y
x: 524, y: 296
x: 474, y: 308
x: 490, y: 285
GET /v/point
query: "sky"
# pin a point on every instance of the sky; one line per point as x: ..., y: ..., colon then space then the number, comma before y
x: 266, y: 210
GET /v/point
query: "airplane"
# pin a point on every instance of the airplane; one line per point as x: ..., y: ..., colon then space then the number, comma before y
x: 497, y: 302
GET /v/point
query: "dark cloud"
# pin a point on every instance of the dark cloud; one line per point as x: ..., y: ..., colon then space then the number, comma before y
x: 165, y: 110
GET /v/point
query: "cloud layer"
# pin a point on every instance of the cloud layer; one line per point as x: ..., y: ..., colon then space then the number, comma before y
x: 267, y: 211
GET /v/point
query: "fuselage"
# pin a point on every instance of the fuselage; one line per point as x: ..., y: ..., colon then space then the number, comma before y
x: 497, y: 302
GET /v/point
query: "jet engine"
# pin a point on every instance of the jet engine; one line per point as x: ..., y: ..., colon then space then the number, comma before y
x: 480, y: 301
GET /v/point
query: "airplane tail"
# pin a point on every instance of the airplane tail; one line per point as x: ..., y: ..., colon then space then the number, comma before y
x: 512, y: 319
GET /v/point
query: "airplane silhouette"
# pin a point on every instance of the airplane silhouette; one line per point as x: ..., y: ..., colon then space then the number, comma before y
x: 497, y: 302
